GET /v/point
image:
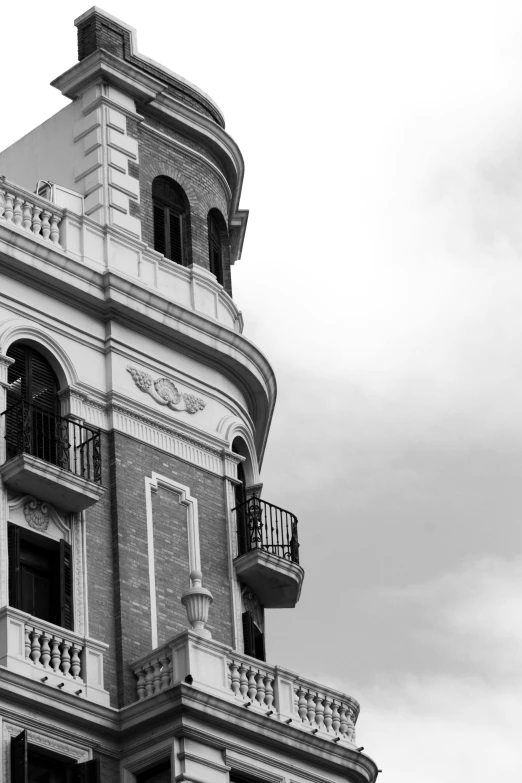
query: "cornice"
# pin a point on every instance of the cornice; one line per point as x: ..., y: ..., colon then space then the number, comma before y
x: 109, y: 295
x: 150, y: 91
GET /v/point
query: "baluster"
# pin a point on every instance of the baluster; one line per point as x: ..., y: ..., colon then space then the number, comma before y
x: 149, y: 679
x: 140, y: 686
x: 171, y: 670
x: 252, y: 688
x: 336, y: 721
x: 343, y: 726
x: 55, y: 234
x: 45, y: 650
x: 27, y: 641
x: 66, y: 658
x: 243, y: 681
x: 311, y: 708
x: 2, y: 203
x: 75, y: 660
x: 350, y: 731
x: 328, y: 714
x: 319, y: 711
x: 260, y: 694
x: 157, y: 675
x: 234, y: 678
x: 55, y: 653
x: 36, y: 225
x: 26, y: 217
x: 8, y: 213
x: 165, y: 671
x: 301, y: 704
x: 17, y: 211
x: 35, y: 646
x: 269, y: 691
x: 46, y: 228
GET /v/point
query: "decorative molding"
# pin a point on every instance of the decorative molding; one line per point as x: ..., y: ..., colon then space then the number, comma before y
x: 37, y: 515
x: 42, y: 740
x: 79, y: 575
x: 165, y: 392
x: 152, y: 484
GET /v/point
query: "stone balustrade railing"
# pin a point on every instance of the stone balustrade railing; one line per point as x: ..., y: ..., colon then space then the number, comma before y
x: 49, y: 650
x: 271, y: 690
x: 55, y: 656
x: 28, y: 211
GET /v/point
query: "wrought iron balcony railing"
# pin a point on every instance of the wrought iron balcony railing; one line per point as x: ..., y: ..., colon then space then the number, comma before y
x: 69, y: 445
x: 260, y: 525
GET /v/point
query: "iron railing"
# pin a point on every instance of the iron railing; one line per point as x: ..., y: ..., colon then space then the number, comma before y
x: 260, y: 525
x: 62, y: 442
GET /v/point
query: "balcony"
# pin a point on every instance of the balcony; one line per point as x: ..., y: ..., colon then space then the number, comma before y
x: 55, y: 656
x: 55, y: 459
x: 268, y: 560
x: 270, y: 691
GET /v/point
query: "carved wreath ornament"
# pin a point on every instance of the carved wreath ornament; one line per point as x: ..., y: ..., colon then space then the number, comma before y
x: 37, y: 515
x: 165, y: 392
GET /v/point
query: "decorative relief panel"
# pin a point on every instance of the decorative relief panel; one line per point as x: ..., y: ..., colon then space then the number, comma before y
x: 37, y: 515
x: 165, y: 392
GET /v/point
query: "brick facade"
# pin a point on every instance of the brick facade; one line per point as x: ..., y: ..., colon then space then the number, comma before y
x: 117, y: 552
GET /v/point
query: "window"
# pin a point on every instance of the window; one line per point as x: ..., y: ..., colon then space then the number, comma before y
x: 32, y: 765
x: 215, y: 246
x: 40, y: 576
x: 32, y: 414
x: 254, y: 638
x: 170, y: 218
x: 160, y: 773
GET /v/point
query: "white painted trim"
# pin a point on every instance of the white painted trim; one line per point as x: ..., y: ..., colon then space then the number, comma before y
x: 152, y: 484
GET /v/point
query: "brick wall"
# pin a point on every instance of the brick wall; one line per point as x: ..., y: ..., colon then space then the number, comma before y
x: 101, y: 575
x: 131, y: 462
x: 202, y: 185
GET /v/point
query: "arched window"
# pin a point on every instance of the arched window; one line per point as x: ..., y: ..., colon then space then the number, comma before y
x: 170, y: 217
x: 216, y: 228
x: 31, y: 379
x: 240, y: 505
x: 33, y: 407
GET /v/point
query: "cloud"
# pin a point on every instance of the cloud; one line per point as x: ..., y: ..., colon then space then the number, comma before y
x: 442, y: 729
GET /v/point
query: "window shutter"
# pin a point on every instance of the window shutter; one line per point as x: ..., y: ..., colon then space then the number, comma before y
x: 176, y: 237
x: 87, y: 772
x: 15, y: 572
x: 42, y: 383
x: 66, y: 595
x: 248, y: 634
x: 17, y: 375
x: 241, y: 513
x: 159, y: 228
x: 19, y: 766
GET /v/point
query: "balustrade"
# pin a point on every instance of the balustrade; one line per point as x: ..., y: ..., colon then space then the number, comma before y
x: 50, y: 651
x: 29, y: 212
x: 269, y: 690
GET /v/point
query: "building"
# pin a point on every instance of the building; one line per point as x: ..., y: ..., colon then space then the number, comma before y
x: 137, y: 555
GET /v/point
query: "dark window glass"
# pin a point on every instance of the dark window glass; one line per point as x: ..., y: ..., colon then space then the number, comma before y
x: 253, y: 637
x: 170, y: 220
x: 40, y: 576
x: 215, y: 249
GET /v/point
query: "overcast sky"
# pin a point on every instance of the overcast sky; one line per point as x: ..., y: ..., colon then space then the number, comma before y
x: 382, y: 277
